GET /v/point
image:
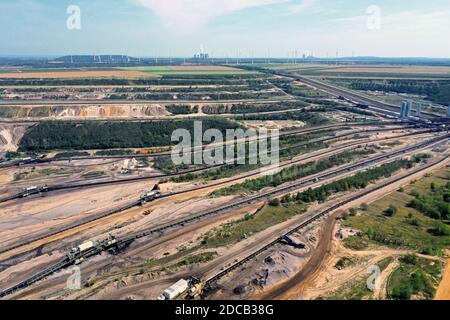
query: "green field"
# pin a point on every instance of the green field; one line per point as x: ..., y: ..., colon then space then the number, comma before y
x: 40, y: 70
x: 415, y: 276
x: 268, y: 216
x: 407, y: 228
x: 162, y: 70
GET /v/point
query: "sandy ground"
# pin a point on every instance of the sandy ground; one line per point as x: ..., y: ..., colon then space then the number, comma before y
x: 294, y: 286
x: 10, y: 136
x: 158, y: 212
x: 443, y: 292
x: 69, y: 75
x: 94, y: 111
x: 27, y: 219
x: 281, y: 124
x: 325, y: 278
x: 139, y: 252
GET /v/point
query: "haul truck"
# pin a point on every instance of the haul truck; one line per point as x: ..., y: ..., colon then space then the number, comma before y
x: 183, y: 290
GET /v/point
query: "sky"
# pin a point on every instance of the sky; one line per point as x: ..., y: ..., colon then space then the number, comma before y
x: 226, y: 28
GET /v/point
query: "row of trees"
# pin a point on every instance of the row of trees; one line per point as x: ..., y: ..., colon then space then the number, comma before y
x: 109, y: 135
x: 239, y: 108
x: 164, y: 80
x: 181, y: 109
x: 295, y: 172
x: 310, y: 117
x: 435, y: 204
x: 436, y: 91
x: 358, y: 181
x: 287, y: 150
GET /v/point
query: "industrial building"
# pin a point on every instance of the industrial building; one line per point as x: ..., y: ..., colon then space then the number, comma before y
x: 419, y: 110
x: 201, y: 55
x: 407, y: 108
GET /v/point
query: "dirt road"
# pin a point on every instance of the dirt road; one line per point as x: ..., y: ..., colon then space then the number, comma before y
x: 283, y: 291
x: 443, y: 292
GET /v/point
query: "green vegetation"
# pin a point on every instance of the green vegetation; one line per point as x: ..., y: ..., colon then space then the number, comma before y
x: 166, y: 80
x: 181, y: 109
x: 194, y: 259
x: 356, y: 243
x: 415, y: 276
x: 357, y: 289
x: 435, y: 204
x: 383, y: 264
x: 437, y: 91
x: 233, y: 232
x: 289, y: 147
x: 310, y: 118
x: 114, y: 152
x: 345, y: 262
x: 294, y: 172
x: 408, y: 227
x: 358, y: 181
x: 163, y: 70
x: 72, y: 154
x: 240, y: 108
x: 106, y: 135
x: 93, y: 175
x: 40, y: 173
x: 10, y: 155
x: 390, y: 211
x: 293, y: 88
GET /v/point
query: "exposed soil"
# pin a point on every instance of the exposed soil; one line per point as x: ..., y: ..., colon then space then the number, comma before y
x: 443, y: 292
x: 10, y: 136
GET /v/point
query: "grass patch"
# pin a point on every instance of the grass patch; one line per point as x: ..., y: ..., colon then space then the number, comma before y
x: 93, y: 175
x: 356, y: 243
x: 293, y: 173
x: 72, y: 154
x: 34, y: 174
x: 414, y: 278
x: 115, y: 152
x: 407, y: 228
x: 236, y: 231
x: 356, y: 290
x: 345, y: 262
x: 203, y: 257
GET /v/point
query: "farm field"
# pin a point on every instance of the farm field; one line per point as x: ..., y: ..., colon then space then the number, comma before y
x: 369, y: 71
x: 189, y: 70
x: 406, y: 238
x: 94, y: 139
x: 82, y: 74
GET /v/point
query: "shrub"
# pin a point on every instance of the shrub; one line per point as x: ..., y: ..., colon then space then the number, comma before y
x: 391, y: 211
x: 274, y: 202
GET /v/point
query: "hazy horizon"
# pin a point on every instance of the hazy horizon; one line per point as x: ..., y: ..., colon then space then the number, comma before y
x: 244, y: 28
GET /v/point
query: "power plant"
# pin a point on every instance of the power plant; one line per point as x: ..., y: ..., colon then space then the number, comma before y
x: 405, y: 110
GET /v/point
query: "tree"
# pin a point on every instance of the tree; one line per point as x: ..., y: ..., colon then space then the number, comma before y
x: 274, y: 202
x: 391, y: 211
